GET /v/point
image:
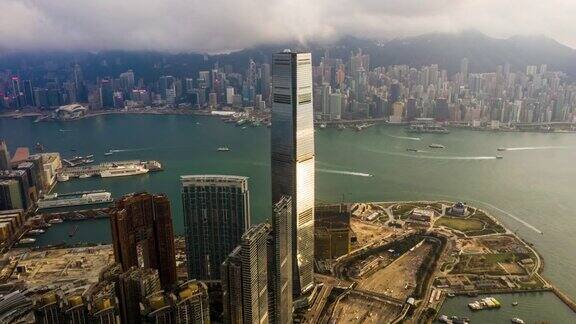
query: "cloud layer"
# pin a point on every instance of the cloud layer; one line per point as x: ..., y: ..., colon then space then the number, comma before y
x: 220, y: 25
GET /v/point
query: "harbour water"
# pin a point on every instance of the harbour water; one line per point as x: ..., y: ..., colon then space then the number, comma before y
x: 532, y: 308
x: 531, y: 190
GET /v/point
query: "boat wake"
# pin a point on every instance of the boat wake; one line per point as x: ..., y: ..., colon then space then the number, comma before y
x: 516, y: 218
x: 130, y: 150
x: 357, y: 174
x: 529, y: 148
x: 437, y: 157
x: 406, y: 138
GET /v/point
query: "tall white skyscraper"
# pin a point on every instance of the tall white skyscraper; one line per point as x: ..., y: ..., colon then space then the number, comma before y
x: 293, y: 156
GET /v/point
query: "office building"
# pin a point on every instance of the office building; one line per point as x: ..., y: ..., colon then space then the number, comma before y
x: 216, y: 214
x: 245, y: 279
x: 293, y: 156
x: 280, y: 263
x: 144, y: 221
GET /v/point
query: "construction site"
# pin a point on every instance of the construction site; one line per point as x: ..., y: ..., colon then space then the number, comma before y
x: 406, y: 257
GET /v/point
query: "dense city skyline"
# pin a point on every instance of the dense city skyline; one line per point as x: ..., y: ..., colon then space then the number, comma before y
x: 287, y: 161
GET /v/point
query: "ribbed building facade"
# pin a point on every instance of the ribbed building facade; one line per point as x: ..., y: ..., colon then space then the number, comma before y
x: 216, y: 214
x: 245, y: 279
x: 280, y: 263
x: 292, y: 148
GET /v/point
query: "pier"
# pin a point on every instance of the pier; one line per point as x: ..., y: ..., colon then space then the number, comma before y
x: 95, y: 170
x: 564, y: 298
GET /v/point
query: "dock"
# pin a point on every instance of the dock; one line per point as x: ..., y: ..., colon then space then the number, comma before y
x: 95, y: 170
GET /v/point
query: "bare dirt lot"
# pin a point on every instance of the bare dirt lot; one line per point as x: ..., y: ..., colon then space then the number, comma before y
x: 398, y: 279
x: 357, y: 309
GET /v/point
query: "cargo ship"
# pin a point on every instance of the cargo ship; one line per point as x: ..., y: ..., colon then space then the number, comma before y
x: 75, y: 199
x: 123, y: 171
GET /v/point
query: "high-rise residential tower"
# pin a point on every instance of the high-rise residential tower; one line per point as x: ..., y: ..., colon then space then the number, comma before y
x: 293, y: 156
x: 216, y: 214
x: 144, y: 221
x: 280, y: 263
x: 245, y: 279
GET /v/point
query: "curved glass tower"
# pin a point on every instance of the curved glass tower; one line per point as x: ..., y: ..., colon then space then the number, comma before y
x: 293, y: 156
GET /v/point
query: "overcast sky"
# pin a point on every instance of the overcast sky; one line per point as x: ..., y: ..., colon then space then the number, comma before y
x: 220, y: 25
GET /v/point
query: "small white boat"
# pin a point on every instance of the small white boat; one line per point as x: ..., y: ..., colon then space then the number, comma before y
x: 84, y: 176
x: 55, y: 221
x: 36, y: 231
x: 27, y: 240
x: 223, y: 149
x: 109, y: 153
x: 517, y: 320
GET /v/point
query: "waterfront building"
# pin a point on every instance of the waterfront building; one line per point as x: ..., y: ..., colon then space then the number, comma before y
x: 144, y: 221
x: 10, y: 195
x: 292, y: 148
x: 280, y: 263
x: 216, y: 214
x: 23, y: 187
x: 245, y: 279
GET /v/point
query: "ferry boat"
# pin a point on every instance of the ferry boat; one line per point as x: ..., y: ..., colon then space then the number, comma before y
x: 517, y: 320
x: 223, y: 149
x: 75, y: 199
x: 439, y: 146
x: 124, y: 170
x: 61, y: 177
x: 27, y: 240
